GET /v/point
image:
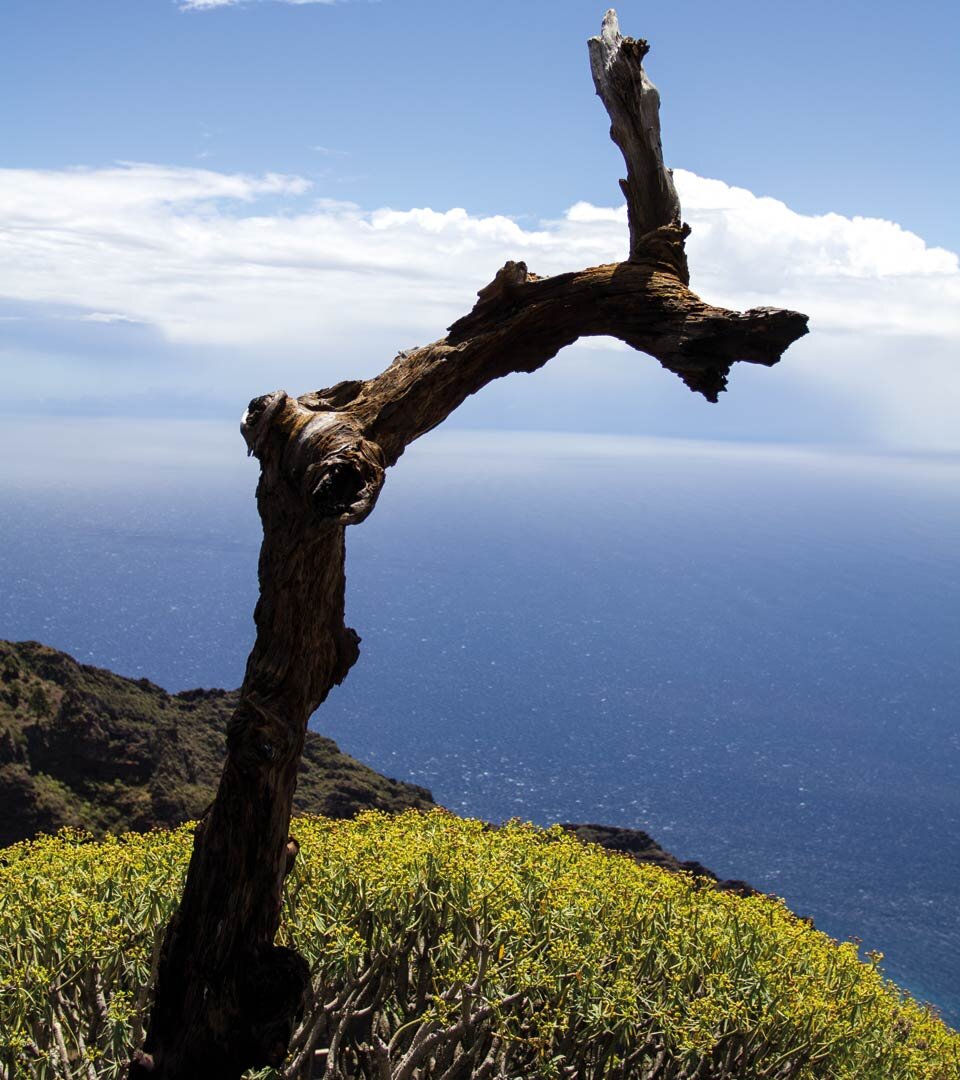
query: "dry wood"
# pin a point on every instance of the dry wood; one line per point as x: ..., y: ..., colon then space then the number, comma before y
x: 633, y: 104
x: 226, y: 998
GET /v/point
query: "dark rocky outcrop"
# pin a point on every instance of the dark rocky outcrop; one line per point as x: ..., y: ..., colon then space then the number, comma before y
x: 642, y: 847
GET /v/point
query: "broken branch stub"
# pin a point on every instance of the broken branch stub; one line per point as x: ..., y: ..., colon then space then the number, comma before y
x: 226, y: 998
x: 633, y: 104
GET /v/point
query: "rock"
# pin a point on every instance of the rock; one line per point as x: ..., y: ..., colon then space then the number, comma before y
x: 643, y: 848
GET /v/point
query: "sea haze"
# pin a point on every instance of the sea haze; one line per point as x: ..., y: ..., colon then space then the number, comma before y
x: 749, y: 651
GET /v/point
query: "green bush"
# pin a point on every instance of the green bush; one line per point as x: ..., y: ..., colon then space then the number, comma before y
x: 442, y: 948
x: 39, y: 705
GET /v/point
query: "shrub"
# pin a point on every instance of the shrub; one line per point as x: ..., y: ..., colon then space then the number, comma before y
x: 39, y: 705
x: 443, y: 948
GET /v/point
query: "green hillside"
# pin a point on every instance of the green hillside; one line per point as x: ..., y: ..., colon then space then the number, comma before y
x: 441, y: 949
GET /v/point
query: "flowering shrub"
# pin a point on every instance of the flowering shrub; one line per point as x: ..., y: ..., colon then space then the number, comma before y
x: 441, y: 948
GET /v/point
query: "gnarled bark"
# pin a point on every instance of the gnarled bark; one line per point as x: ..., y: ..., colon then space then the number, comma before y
x: 226, y: 998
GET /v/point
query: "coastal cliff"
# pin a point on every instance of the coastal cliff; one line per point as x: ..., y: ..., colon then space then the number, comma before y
x: 83, y: 747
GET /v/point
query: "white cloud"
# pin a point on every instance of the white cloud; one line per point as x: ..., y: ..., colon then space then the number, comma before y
x: 107, y: 317
x: 851, y: 273
x: 240, y: 262
x: 209, y: 5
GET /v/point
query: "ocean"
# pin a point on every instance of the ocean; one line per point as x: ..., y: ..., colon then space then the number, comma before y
x: 750, y: 651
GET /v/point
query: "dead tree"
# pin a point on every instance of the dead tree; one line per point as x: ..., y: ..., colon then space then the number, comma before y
x: 225, y: 996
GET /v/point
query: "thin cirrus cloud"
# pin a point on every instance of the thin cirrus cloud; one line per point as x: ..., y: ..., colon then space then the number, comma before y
x: 107, y: 317
x: 219, y: 265
x: 209, y: 5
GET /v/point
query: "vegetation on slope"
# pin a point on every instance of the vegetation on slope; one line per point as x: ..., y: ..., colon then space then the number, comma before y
x: 82, y: 747
x: 443, y: 948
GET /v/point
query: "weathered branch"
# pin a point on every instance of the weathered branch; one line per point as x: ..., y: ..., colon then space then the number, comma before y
x: 226, y: 998
x: 633, y: 104
x: 638, y: 302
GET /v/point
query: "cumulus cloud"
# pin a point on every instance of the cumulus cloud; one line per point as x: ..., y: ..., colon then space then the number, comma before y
x: 227, y: 261
x: 853, y: 273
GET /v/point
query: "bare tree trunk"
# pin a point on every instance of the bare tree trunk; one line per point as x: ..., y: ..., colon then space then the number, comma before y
x: 226, y: 997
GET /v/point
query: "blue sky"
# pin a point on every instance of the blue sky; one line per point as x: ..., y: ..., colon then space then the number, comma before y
x: 202, y: 201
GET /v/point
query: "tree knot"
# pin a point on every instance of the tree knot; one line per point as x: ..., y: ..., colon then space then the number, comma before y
x: 507, y: 277
x: 495, y: 299
x: 319, y: 449
x: 663, y: 248
x: 344, y: 479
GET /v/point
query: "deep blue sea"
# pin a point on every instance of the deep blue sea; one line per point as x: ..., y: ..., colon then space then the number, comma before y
x: 750, y: 651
